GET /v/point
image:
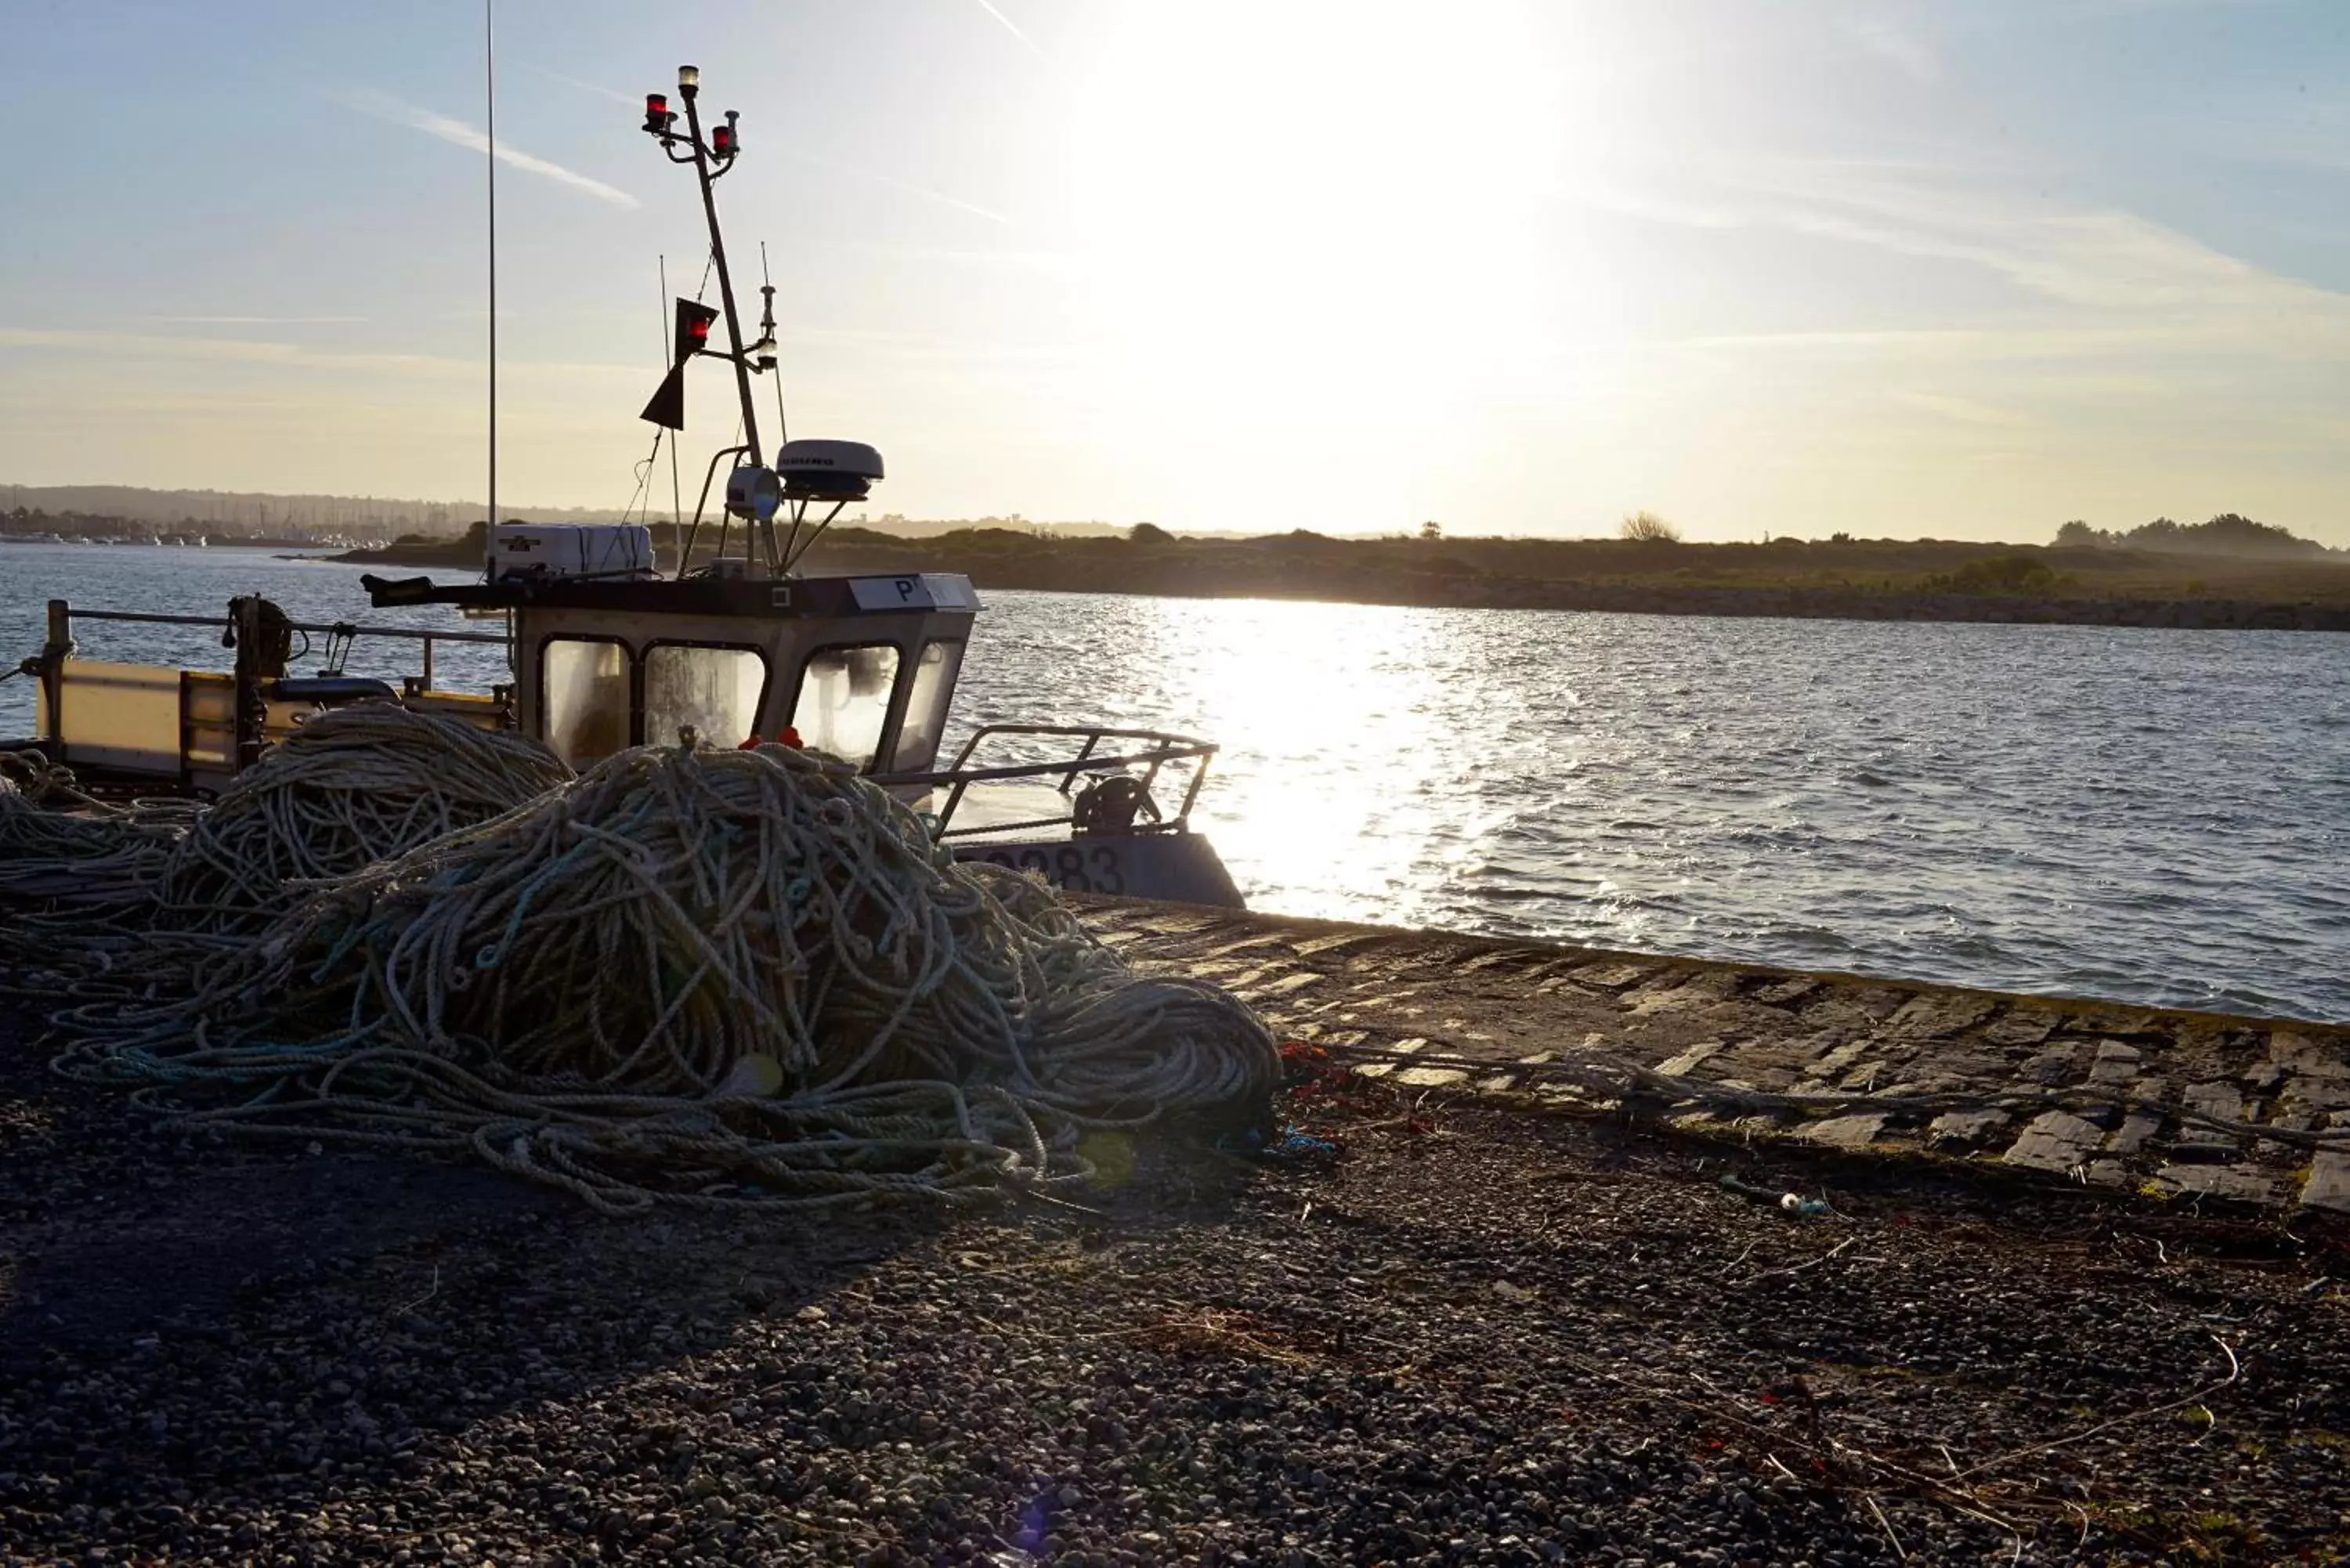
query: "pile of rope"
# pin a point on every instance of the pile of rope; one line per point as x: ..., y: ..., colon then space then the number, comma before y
x: 349, y: 787
x: 160, y: 888
x: 716, y: 978
x: 59, y: 841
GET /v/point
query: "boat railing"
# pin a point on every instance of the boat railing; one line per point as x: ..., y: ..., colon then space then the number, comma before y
x: 64, y: 614
x: 1156, y: 749
x: 143, y: 722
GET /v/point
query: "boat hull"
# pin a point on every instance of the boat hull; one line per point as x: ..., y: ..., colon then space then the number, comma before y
x: 1176, y: 867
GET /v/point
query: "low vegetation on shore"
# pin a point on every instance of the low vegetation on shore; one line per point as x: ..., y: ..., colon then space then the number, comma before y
x: 1650, y: 568
x: 2231, y: 571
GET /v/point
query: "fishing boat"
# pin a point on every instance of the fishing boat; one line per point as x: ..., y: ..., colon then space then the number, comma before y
x: 737, y: 645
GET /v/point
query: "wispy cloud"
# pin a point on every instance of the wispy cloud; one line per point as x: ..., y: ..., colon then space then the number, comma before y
x: 1048, y: 264
x: 1031, y: 44
x: 252, y: 320
x: 816, y: 161
x: 457, y: 133
x: 256, y: 351
x: 1889, y: 39
x: 2100, y: 258
x: 2102, y: 10
x: 1964, y: 410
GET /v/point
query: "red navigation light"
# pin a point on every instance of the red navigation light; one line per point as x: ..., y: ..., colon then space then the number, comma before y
x: 657, y: 114
x: 722, y: 141
x: 692, y: 334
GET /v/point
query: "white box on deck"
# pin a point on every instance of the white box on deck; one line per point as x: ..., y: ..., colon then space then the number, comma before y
x: 614, y: 550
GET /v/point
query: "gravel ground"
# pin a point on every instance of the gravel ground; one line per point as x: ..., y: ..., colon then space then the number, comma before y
x: 1472, y: 1336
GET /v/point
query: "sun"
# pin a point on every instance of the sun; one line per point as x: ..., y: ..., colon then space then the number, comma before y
x: 1315, y: 221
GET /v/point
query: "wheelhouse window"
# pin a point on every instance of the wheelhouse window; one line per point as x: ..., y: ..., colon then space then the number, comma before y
x: 926, y: 706
x: 715, y: 690
x: 583, y: 698
x: 844, y: 700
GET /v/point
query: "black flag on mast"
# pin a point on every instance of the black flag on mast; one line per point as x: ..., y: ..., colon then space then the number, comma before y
x: 668, y: 406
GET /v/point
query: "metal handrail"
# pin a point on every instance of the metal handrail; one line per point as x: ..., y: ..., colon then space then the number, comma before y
x: 1022, y: 825
x: 1091, y: 731
x: 417, y: 634
x: 420, y: 633
x: 1166, y: 747
x: 1039, y: 770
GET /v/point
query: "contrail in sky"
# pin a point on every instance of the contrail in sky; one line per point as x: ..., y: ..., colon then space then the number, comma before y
x: 894, y: 183
x: 988, y: 6
x: 598, y: 89
x: 384, y: 106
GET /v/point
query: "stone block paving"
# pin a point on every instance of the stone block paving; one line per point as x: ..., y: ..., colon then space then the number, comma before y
x: 1515, y: 1004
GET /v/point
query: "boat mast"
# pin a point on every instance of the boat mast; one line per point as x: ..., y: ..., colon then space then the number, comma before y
x: 689, y: 87
x: 753, y: 491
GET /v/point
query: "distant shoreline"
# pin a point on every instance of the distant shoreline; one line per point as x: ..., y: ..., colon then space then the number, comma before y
x: 444, y: 553
x: 1183, y: 571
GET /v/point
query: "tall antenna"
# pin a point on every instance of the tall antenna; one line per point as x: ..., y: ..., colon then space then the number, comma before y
x: 490, y: 96
x: 676, y: 495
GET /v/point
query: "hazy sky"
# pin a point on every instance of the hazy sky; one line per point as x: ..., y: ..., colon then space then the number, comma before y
x: 1964, y: 269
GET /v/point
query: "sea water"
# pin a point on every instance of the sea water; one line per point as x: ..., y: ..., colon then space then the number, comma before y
x: 2147, y: 816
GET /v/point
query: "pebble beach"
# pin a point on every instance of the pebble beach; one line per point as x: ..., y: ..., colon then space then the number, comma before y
x: 1466, y: 1334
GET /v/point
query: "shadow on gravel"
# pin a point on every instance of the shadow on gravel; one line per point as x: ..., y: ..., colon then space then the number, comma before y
x: 136, y: 1249
x: 201, y: 1336
x: 1470, y: 1336
x: 289, y: 1327
x: 184, y: 1320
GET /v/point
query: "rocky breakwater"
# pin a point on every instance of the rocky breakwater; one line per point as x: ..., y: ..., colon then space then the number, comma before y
x: 2149, y: 1096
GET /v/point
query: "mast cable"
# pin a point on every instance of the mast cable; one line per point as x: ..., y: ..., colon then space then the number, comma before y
x: 768, y: 287
x: 644, y: 470
x: 490, y: 110
x: 676, y: 496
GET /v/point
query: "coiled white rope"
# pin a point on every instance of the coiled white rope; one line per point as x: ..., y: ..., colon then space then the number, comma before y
x: 57, y: 841
x: 349, y: 787
x: 737, y: 978
x: 158, y: 885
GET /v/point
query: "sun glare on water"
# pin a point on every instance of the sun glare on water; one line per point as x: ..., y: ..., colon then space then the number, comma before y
x: 1309, y: 231
x: 1354, y: 698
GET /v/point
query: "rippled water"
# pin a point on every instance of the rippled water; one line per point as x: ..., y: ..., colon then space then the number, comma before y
x: 2149, y: 815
